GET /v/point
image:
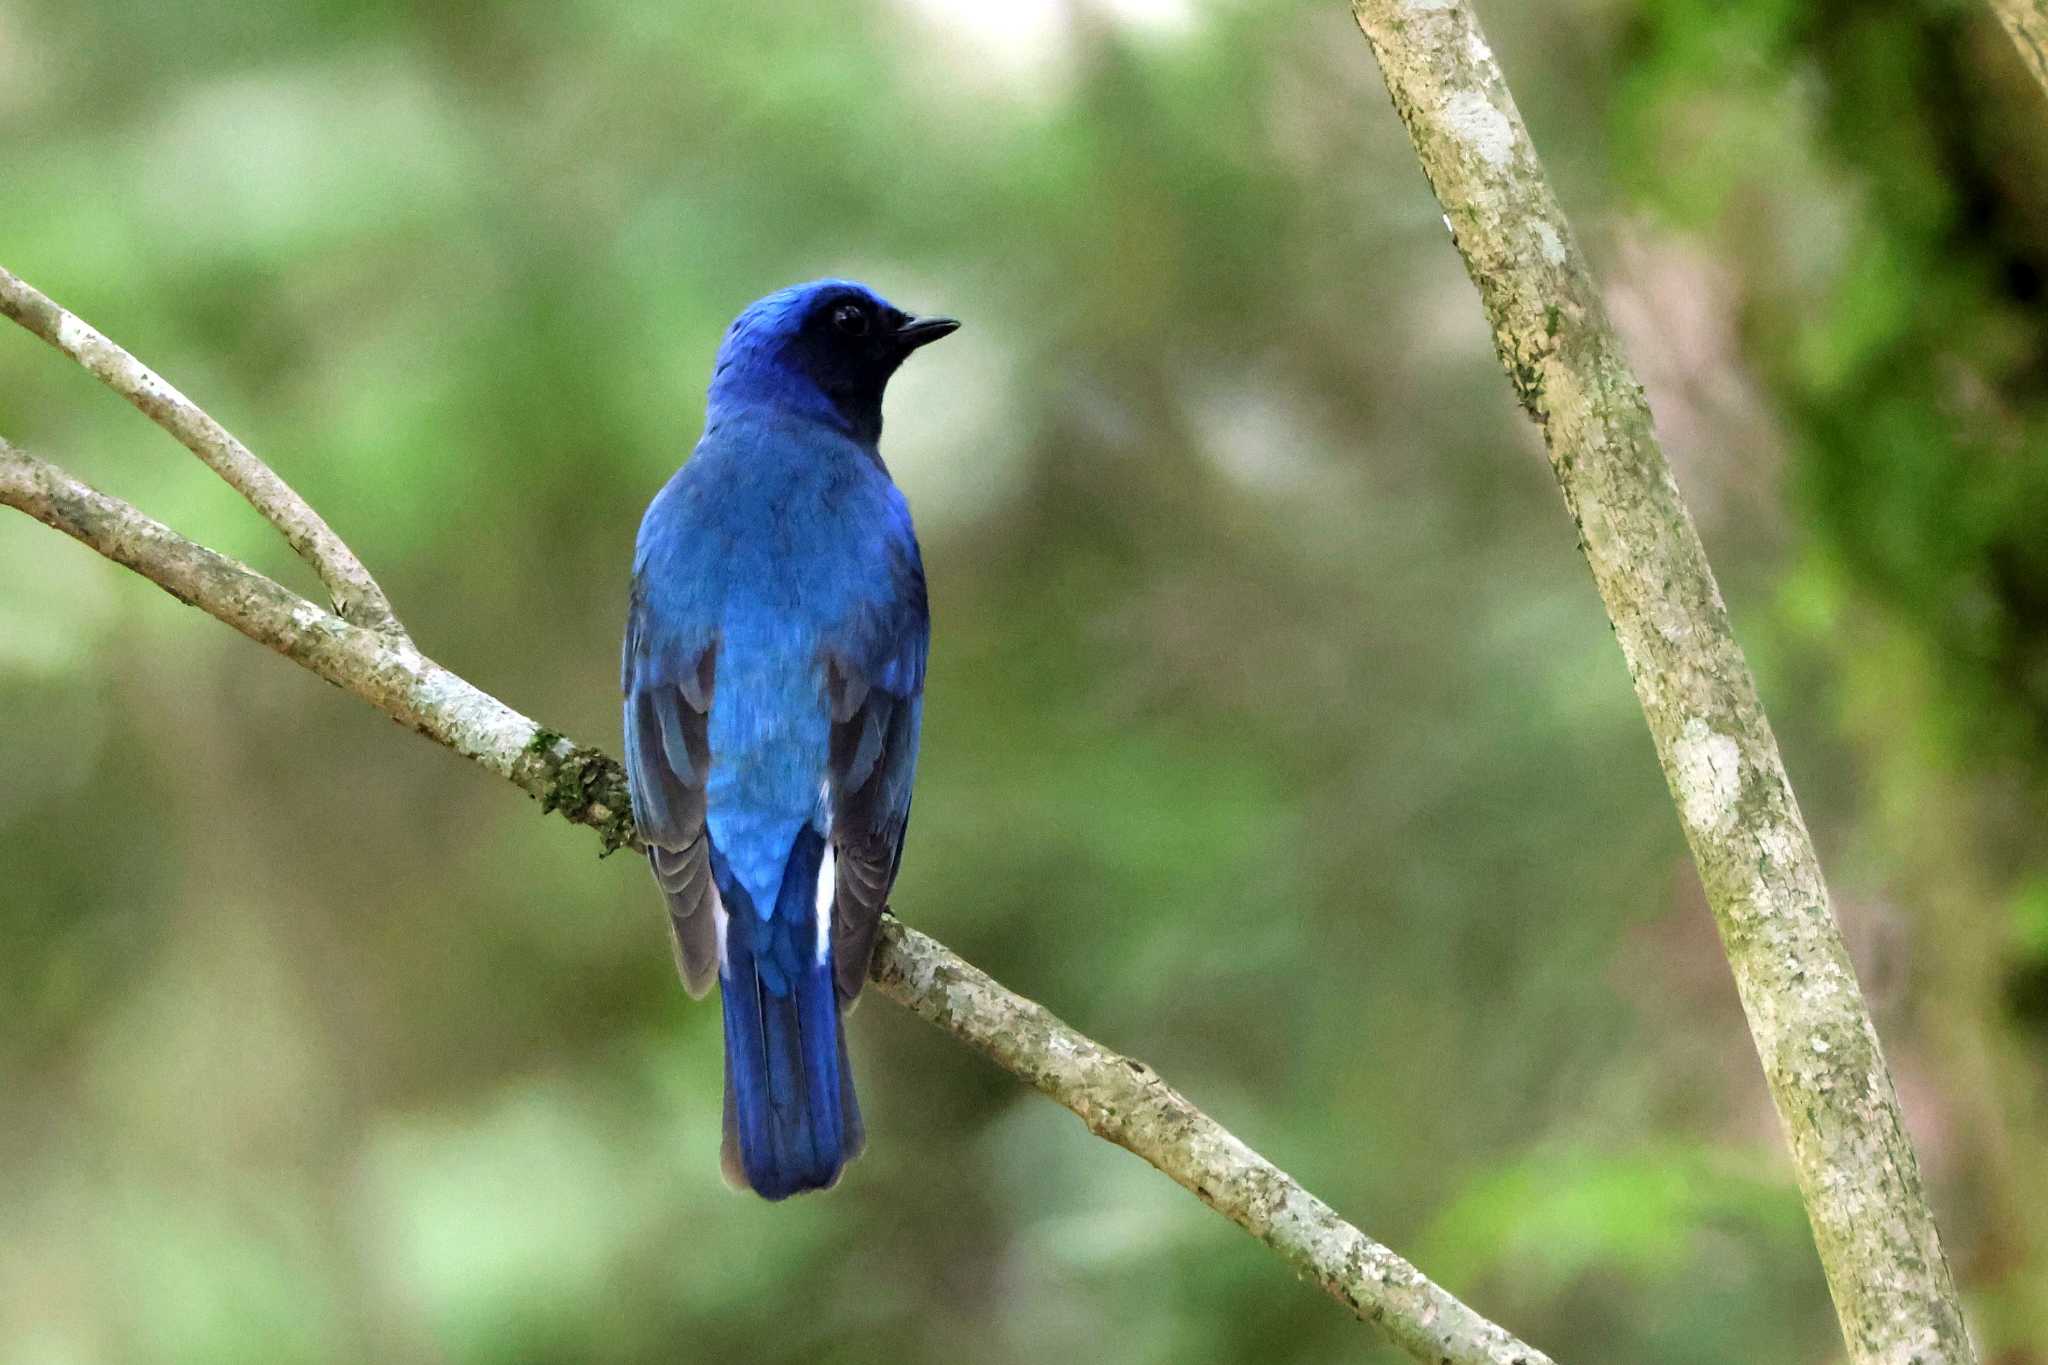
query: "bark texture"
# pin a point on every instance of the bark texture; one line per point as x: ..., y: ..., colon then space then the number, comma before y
x: 2027, y: 22
x: 1120, y: 1099
x: 1856, y: 1169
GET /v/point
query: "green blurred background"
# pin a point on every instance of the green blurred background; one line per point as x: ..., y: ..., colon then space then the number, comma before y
x: 1275, y: 733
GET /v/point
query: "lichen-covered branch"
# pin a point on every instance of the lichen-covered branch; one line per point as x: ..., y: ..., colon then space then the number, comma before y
x: 1856, y: 1169
x: 354, y: 592
x: 2027, y: 22
x: 1118, y: 1098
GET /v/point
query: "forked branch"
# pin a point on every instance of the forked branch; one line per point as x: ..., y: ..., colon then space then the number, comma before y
x: 355, y: 594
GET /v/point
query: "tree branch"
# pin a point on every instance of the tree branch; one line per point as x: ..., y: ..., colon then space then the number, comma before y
x: 1118, y: 1098
x: 390, y: 674
x: 354, y: 592
x: 2027, y: 22
x: 1855, y: 1166
x: 1124, y: 1101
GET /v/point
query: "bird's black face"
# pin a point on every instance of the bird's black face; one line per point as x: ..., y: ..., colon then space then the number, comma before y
x: 851, y: 342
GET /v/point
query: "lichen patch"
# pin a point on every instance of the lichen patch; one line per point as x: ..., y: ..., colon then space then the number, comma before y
x: 1709, y: 777
x: 1471, y: 118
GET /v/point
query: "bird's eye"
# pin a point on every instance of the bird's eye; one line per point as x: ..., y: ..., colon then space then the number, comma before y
x: 851, y: 319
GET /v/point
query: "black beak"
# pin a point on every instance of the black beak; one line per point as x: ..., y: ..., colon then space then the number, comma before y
x: 916, y: 332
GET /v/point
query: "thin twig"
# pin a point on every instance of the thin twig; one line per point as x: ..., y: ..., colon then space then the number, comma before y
x: 1118, y: 1098
x: 1855, y: 1166
x: 354, y: 592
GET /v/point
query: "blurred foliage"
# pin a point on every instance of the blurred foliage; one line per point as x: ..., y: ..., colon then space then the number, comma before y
x: 1911, y: 355
x: 1274, y: 731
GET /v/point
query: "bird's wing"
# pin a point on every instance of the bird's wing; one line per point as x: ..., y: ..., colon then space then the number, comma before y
x: 668, y: 755
x: 876, y: 691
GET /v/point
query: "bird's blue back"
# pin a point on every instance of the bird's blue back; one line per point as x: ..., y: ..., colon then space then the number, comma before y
x: 773, y: 678
x: 789, y: 546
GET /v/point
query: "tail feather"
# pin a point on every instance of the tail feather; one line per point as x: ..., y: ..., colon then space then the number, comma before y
x: 853, y: 1133
x: 791, y: 1119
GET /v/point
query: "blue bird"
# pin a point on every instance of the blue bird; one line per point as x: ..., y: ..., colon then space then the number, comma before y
x: 774, y: 682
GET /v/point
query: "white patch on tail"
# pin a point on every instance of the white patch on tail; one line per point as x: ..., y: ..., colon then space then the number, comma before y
x: 827, y: 885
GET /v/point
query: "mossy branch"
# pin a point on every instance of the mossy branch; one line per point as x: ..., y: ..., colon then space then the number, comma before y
x: 1856, y: 1169
x: 1118, y: 1098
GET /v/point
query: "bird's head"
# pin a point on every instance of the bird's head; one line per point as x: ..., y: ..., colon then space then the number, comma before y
x: 824, y: 349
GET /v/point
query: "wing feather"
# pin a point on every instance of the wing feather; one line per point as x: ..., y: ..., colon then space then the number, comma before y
x: 668, y: 758
x: 877, y: 708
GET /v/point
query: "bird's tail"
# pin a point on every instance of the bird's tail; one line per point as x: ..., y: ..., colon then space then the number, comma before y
x: 791, y: 1119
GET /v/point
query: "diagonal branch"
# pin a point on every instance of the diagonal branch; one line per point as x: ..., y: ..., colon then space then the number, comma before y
x: 1119, y: 1098
x: 2027, y: 22
x: 1855, y: 1166
x: 355, y: 594
x: 1124, y: 1101
x: 392, y: 675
